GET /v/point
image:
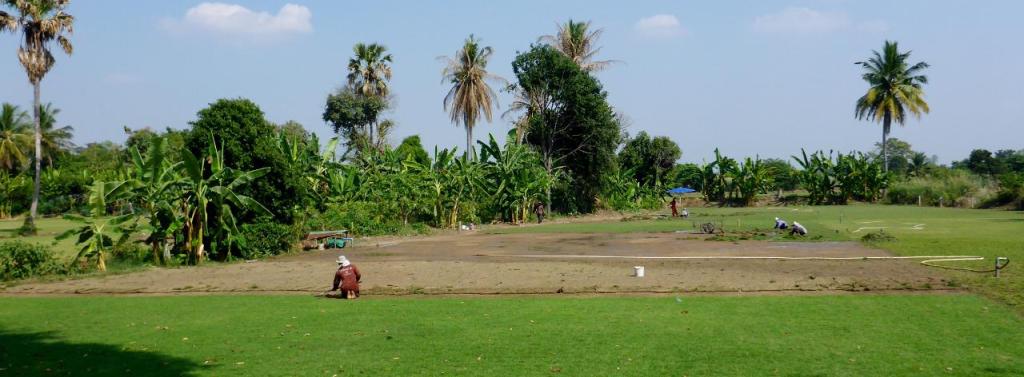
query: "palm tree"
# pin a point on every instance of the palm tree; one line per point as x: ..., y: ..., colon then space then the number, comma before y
x: 895, y: 88
x: 369, y: 72
x: 470, y: 95
x: 54, y: 140
x: 14, y: 137
x: 41, y: 22
x: 577, y: 41
x: 525, y: 105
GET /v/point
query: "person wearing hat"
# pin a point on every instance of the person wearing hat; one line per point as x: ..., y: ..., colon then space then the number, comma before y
x: 780, y: 224
x: 347, y: 278
x: 798, y: 229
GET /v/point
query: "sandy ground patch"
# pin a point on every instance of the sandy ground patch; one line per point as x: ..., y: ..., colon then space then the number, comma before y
x: 493, y: 264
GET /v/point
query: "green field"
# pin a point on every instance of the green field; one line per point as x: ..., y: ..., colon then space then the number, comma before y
x: 292, y: 335
x: 48, y: 230
x: 945, y: 231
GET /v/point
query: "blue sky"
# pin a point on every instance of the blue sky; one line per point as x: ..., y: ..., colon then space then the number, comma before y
x: 750, y: 77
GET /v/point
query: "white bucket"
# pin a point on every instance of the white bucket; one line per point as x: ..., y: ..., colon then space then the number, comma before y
x: 639, y: 271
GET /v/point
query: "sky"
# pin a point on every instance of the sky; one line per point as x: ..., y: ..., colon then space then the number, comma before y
x: 763, y: 78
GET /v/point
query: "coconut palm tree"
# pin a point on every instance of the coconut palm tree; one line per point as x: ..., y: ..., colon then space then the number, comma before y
x: 895, y: 89
x: 470, y: 96
x: 41, y: 22
x: 369, y: 72
x: 523, y: 106
x: 55, y: 140
x: 14, y: 137
x: 578, y: 41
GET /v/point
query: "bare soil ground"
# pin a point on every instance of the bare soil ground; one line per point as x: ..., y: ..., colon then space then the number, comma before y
x: 472, y: 263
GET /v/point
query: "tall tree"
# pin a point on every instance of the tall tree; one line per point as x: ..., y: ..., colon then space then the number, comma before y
x: 649, y: 159
x: 14, y: 137
x: 369, y: 71
x: 895, y: 88
x: 41, y: 22
x: 55, y: 140
x: 573, y: 127
x: 352, y: 115
x: 578, y: 41
x: 470, y: 96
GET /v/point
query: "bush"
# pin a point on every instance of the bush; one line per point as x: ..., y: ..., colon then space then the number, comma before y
x: 20, y: 260
x: 361, y: 219
x: 266, y: 238
x: 878, y: 237
x: 954, y: 190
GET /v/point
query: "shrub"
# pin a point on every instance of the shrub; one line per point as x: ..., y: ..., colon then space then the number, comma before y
x: 266, y: 238
x: 361, y: 218
x: 878, y: 237
x: 954, y: 189
x: 20, y: 260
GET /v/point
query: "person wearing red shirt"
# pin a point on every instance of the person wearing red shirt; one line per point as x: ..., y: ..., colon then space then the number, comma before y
x: 347, y: 279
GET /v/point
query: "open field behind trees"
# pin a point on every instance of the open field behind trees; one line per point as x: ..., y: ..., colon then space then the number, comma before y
x: 901, y: 335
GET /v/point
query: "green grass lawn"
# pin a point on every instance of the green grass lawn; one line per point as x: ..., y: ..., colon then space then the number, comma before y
x: 48, y: 230
x: 292, y: 335
x: 918, y: 231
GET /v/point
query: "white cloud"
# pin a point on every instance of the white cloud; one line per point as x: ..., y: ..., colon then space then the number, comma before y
x: 801, y: 21
x: 236, y: 21
x: 660, y: 26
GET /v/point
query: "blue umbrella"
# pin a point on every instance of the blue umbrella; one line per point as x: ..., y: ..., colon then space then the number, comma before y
x: 680, y: 190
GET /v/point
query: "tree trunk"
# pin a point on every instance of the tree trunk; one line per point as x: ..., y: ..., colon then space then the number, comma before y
x: 30, y: 222
x: 470, y: 152
x: 547, y: 167
x: 102, y: 263
x: 886, y: 123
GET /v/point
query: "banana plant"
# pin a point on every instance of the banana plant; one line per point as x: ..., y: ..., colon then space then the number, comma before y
x: 155, y: 182
x: 213, y: 191
x: 100, y: 233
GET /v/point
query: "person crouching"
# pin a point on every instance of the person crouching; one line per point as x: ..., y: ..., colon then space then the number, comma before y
x: 347, y: 279
x: 798, y: 229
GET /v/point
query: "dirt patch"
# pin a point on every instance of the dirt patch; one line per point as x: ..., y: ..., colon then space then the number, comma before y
x: 535, y: 263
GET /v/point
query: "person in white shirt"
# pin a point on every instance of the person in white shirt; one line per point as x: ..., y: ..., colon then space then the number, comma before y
x: 798, y: 229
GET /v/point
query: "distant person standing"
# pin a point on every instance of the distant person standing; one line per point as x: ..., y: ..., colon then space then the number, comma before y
x: 538, y: 209
x: 675, y: 207
x: 798, y: 229
x: 347, y: 279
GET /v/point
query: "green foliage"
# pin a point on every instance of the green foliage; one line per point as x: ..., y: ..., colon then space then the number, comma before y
x: 249, y: 142
x: 15, y: 194
x: 265, y: 238
x: 411, y: 148
x: 20, y: 260
x: 361, y: 218
x: 573, y: 127
x: 727, y: 181
x: 685, y: 175
x: 783, y: 175
x: 100, y: 234
x: 514, y: 179
x: 649, y: 159
x: 853, y: 176
x: 953, y: 189
x: 352, y: 115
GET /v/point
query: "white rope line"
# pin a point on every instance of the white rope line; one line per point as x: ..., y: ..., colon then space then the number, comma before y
x: 929, y: 258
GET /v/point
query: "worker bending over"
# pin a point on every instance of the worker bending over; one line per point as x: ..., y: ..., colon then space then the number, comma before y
x: 798, y: 229
x: 347, y: 278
